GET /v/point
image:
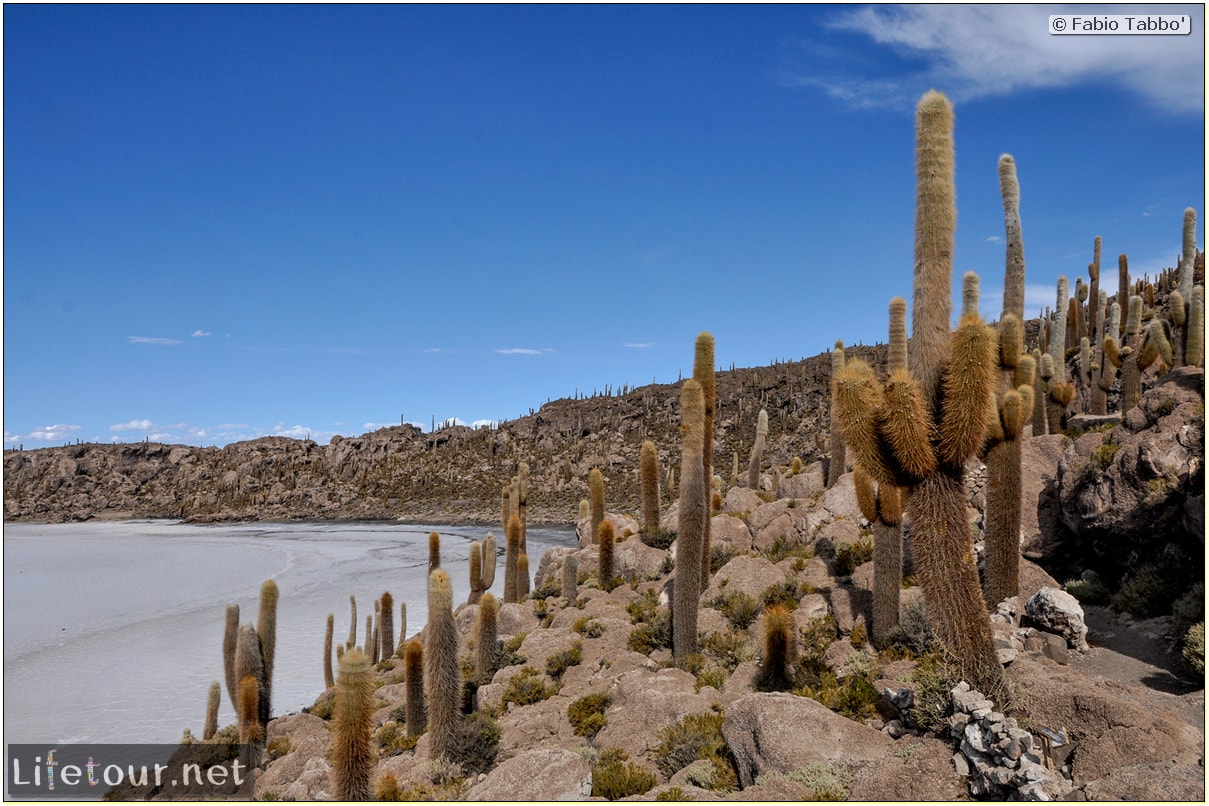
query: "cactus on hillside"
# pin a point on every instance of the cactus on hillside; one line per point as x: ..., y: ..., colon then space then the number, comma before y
x: 882, y: 506
x: 249, y: 664
x: 694, y: 512
x: 402, y: 628
x: 386, y: 636
x: 882, y: 426
x: 511, y: 553
x: 757, y: 452
x: 607, y: 542
x: 266, y: 630
x: 648, y: 473
x: 570, y: 578
x: 596, y: 494
x: 414, y: 708
x: 329, y: 679
x: 476, y: 572
x: 775, y: 672
x: 486, y: 639
x: 522, y: 577
x: 837, y: 463
x: 704, y: 374
x: 522, y: 504
x: 442, y: 674
x: 352, y: 751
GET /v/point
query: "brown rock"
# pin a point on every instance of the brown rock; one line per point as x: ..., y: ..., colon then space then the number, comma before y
x: 543, y: 774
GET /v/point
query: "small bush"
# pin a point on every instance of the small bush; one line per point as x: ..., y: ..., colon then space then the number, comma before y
x: 1102, y: 456
x: 673, y: 794
x: 824, y: 781
x: 528, y: 687
x: 697, y: 736
x: 509, y: 654
x: 1188, y: 609
x: 1148, y: 594
x: 851, y: 556
x: 729, y: 648
x: 392, y: 740
x: 587, y: 714
x: 914, y: 631
x: 785, y: 593
x: 720, y: 555
x: 615, y: 776
x: 661, y: 539
x: 551, y: 587
x: 740, y: 609
x: 1194, y: 647
x: 934, y: 682
x: 712, y: 676
x: 1088, y: 592
x: 476, y: 743
x: 643, y: 610
x: 558, y: 663
x: 588, y: 627
x: 646, y: 638
x: 278, y: 747
x: 859, y: 635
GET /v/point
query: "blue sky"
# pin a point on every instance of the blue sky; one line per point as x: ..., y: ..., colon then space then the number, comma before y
x: 222, y: 222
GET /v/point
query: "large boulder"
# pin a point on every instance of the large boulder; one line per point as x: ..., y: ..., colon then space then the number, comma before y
x: 1058, y: 612
x: 780, y: 733
x: 1040, y: 534
x: 543, y: 774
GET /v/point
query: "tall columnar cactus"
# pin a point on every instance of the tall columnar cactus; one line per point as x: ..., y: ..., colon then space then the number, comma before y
x: 251, y: 729
x: 511, y: 553
x: 229, y: 638
x: 386, y: 637
x: 505, y: 506
x: 249, y: 664
x: 486, y: 639
x: 607, y: 540
x: 1194, y: 349
x: 836, y: 464
x: 434, y: 551
x: 352, y: 627
x: 414, y: 708
x: 919, y: 429
x: 597, y: 497
x: 694, y: 512
x: 213, y: 700
x: 368, y: 645
x: 476, y: 572
x: 1094, y: 314
x: 1061, y: 393
x: 704, y: 374
x: 375, y: 643
x: 402, y: 628
x: 266, y: 630
x: 1188, y: 254
x: 648, y: 474
x: 522, y: 577
x: 442, y: 675
x: 757, y: 452
x: 352, y: 751
x: 329, y: 679
x: 1123, y: 292
x: 882, y: 506
x: 570, y: 578
x: 522, y: 503
x: 775, y: 672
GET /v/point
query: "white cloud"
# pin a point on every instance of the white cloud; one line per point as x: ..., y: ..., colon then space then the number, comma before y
x: 995, y: 239
x: 639, y: 345
x: 518, y: 351
x: 133, y: 425
x: 53, y: 433
x: 485, y: 423
x: 977, y: 51
x: 375, y: 426
x: 154, y: 340
x: 198, y: 334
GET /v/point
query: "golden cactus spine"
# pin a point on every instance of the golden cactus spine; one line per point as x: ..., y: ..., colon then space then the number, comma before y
x: 434, y: 551
x: 352, y: 751
x: 694, y: 512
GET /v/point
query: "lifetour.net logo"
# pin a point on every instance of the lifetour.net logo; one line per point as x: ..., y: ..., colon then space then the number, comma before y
x: 127, y: 771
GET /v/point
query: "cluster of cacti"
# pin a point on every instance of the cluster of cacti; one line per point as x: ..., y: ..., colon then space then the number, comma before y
x: 248, y: 657
x: 694, y: 514
x: 442, y: 675
x: 918, y: 428
x: 837, y: 461
x: 352, y: 752
x: 757, y: 451
x: 1013, y: 407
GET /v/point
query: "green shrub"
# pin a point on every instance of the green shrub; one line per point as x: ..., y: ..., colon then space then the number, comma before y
x: 392, y: 740
x: 661, y: 539
x: 643, y: 609
x: 558, y: 663
x: 551, y: 587
x: 646, y: 638
x: 587, y: 714
x: 1088, y: 592
x: 823, y: 780
x: 509, y: 654
x: 588, y: 627
x: 934, y: 681
x: 697, y: 736
x: 1102, y: 456
x: 528, y: 687
x: 720, y: 555
x: 785, y: 593
x: 1148, y: 593
x: 615, y: 776
x: 476, y: 743
x: 914, y: 631
x: 1194, y: 647
x: 673, y: 794
x: 1188, y: 609
x: 740, y: 609
x: 851, y: 556
x: 729, y: 648
x: 711, y: 676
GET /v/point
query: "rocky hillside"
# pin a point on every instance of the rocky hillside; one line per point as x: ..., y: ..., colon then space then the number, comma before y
x: 582, y: 697
x: 455, y: 473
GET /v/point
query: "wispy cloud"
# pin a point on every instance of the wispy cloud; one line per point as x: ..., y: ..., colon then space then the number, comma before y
x: 639, y: 345
x: 977, y: 51
x: 133, y: 425
x: 200, y: 334
x: 994, y: 239
x: 522, y: 351
x: 47, y: 433
x: 153, y: 340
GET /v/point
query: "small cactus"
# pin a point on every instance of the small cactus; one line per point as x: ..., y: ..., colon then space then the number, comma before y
x: 570, y: 578
x: 511, y: 553
x: 757, y: 451
x: 352, y: 627
x: 522, y: 577
x: 434, y: 551
x: 212, y: 702
x: 775, y: 672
